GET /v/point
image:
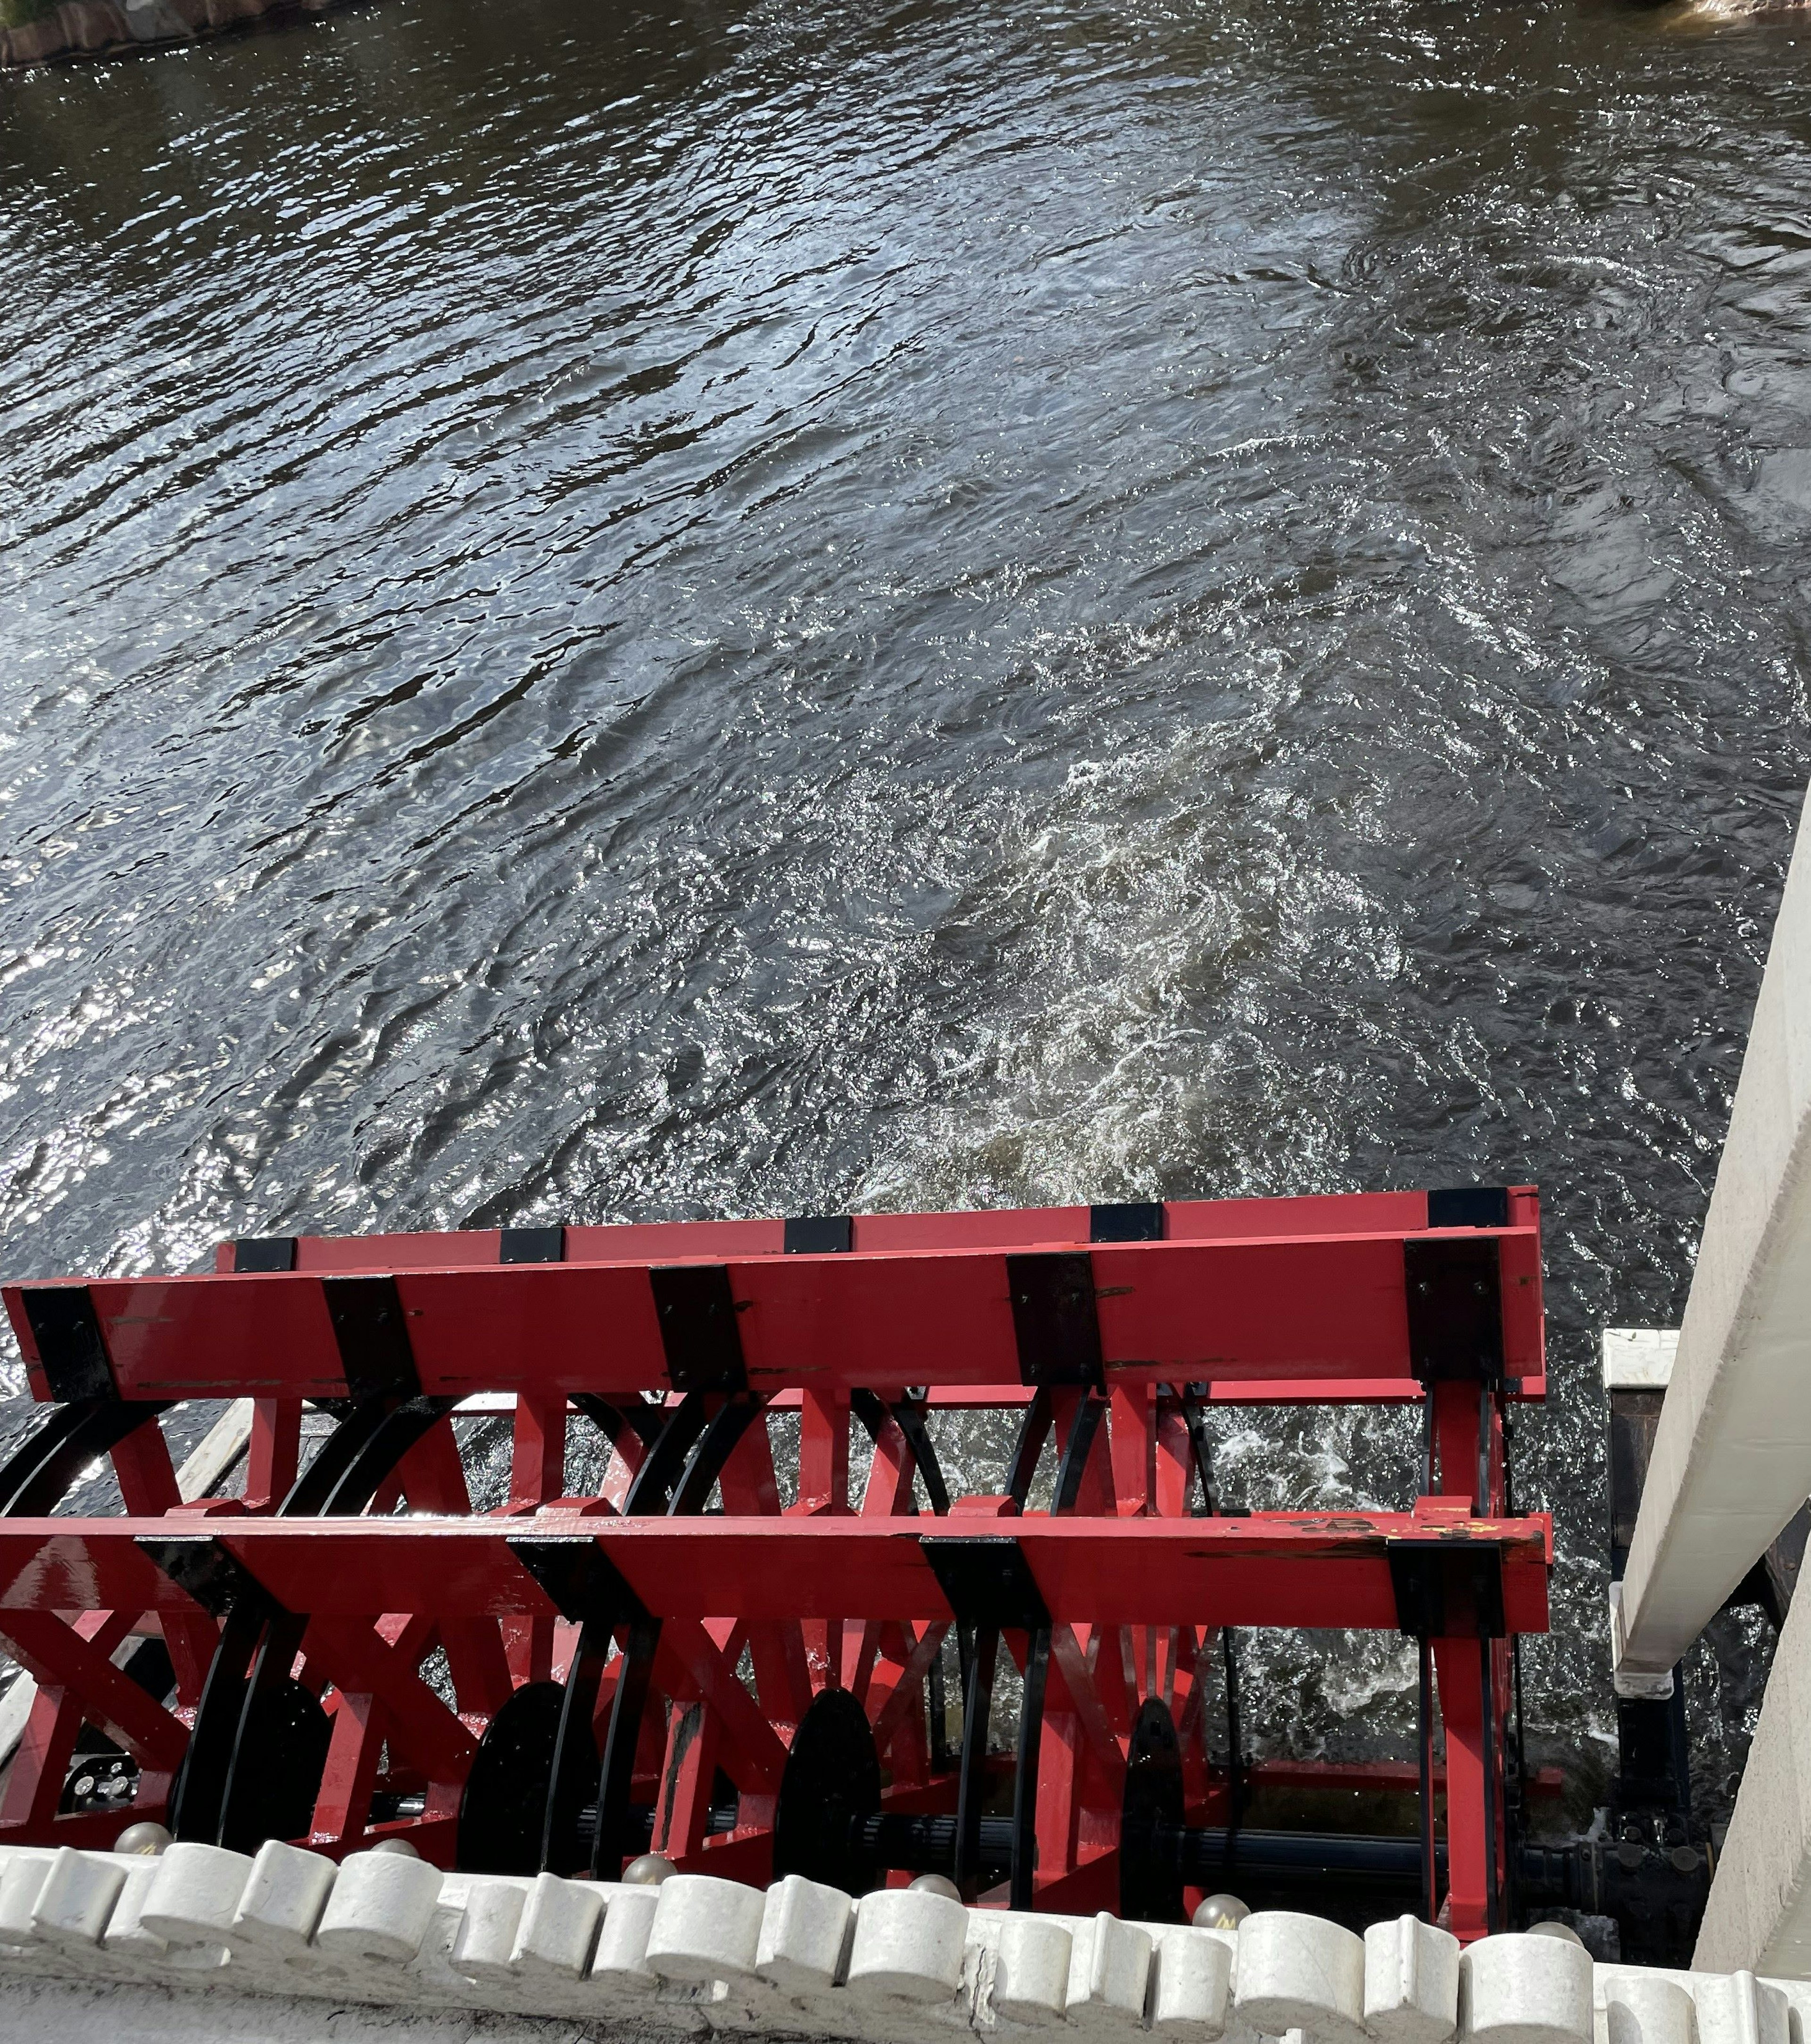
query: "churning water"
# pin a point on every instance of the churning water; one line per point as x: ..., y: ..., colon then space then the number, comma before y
x: 615, y: 611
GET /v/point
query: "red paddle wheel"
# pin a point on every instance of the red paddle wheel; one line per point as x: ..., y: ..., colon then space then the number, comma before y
x: 766, y: 1638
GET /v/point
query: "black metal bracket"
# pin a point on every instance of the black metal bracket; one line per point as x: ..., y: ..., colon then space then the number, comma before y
x: 1447, y: 1589
x: 70, y: 1345
x: 1454, y: 1292
x: 580, y: 1577
x: 987, y: 1581
x: 368, y: 1324
x: 1469, y: 1206
x: 820, y: 1235
x: 1054, y: 1319
x: 1140, y: 1220
x: 532, y: 1245
x: 264, y: 1253
x: 697, y: 1313
x: 218, y: 1581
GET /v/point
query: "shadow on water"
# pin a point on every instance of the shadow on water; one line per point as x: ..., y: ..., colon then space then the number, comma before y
x: 756, y: 608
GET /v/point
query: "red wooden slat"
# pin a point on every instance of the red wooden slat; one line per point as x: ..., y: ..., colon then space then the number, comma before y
x: 1324, y: 1213
x: 1011, y: 1227
x: 1213, y: 1312
x: 675, y: 1241
x: 1003, y: 1228
x: 348, y: 1254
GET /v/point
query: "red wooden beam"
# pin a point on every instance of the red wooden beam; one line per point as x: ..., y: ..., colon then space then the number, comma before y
x: 1288, y: 1569
x: 1317, y: 1308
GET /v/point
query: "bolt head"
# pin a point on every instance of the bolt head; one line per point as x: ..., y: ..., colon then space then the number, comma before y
x: 142, y: 1841
x: 1220, y: 1912
x: 936, y: 1884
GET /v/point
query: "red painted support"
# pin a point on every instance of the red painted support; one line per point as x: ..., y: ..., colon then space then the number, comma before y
x: 343, y: 1809
x: 537, y: 1450
x: 1472, y: 1882
x: 60, y: 1657
x: 537, y: 1475
x: 273, y: 1453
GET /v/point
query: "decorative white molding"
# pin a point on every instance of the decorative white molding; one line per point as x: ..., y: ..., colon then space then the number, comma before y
x: 1638, y: 1358
x: 387, y: 1948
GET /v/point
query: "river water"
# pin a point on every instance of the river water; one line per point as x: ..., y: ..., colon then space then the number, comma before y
x: 623, y: 612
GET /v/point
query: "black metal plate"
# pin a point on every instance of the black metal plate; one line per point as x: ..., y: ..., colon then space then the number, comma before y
x: 987, y: 1581
x: 532, y: 1245
x: 218, y: 1581
x: 67, y: 1332
x: 832, y: 1782
x: 581, y: 1579
x: 1150, y: 1892
x: 1140, y: 1220
x: 504, y: 1804
x: 1454, y: 1288
x: 280, y: 1759
x: 1054, y: 1319
x: 820, y: 1235
x: 264, y: 1252
x: 368, y: 1324
x: 697, y: 1313
x: 1469, y: 1206
x: 1447, y: 1588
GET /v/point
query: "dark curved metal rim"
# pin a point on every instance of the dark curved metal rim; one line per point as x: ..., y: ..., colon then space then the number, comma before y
x: 42, y: 1470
